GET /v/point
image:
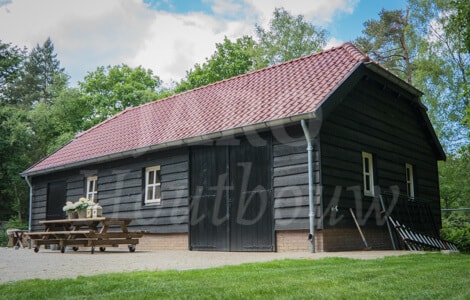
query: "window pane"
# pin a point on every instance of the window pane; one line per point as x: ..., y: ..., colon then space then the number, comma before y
x: 366, y: 164
x: 157, y: 192
x: 367, y: 183
x: 151, y: 179
x: 149, y: 193
x: 157, y: 177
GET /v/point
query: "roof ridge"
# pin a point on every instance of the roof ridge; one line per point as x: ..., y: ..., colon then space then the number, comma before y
x: 355, y: 52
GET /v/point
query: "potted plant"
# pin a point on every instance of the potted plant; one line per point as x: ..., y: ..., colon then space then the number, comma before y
x: 81, y: 206
x: 70, y: 210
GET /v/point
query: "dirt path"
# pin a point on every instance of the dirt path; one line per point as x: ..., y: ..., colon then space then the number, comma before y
x: 25, y: 264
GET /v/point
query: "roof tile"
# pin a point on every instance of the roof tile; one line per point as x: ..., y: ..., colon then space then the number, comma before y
x: 292, y: 88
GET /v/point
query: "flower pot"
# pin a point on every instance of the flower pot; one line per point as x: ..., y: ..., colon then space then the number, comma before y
x: 81, y: 213
x: 72, y: 214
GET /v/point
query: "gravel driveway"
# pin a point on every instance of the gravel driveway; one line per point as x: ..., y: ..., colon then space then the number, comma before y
x: 46, y: 264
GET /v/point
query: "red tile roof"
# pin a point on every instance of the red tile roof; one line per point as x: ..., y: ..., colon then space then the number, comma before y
x: 289, y: 89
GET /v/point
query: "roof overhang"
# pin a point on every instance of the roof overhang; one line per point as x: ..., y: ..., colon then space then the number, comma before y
x: 248, y: 129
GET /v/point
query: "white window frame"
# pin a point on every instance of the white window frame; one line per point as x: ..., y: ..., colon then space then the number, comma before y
x: 156, y: 199
x: 92, y: 188
x: 368, y: 173
x: 410, y: 180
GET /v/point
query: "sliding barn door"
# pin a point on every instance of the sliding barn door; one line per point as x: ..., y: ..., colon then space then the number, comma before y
x: 251, y: 227
x: 209, y: 200
x: 231, y: 206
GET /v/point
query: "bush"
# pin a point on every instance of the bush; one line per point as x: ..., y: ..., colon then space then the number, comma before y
x: 459, y: 236
x: 12, y: 223
x: 456, y: 228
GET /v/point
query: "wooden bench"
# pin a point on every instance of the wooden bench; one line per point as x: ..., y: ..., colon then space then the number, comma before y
x: 114, y: 235
x: 96, y: 235
x: 57, y: 234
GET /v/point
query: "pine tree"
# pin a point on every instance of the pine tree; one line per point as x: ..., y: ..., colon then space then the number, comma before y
x: 42, y: 76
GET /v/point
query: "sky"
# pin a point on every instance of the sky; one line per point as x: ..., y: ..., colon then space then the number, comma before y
x: 166, y: 36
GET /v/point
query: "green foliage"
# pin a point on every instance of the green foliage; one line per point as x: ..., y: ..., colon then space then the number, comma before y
x: 419, y: 276
x: 288, y: 37
x: 15, y: 147
x: 230, y: 59
x: 455, y: 193
x: 29, y: 119
x: 387, y: 41
x: 41, y: 77
x: 456, y: 228
x: 461, y: 20
x: 444, y: 62
x: 11, y: 59
x: 454, y: 180
x: 110, y: 90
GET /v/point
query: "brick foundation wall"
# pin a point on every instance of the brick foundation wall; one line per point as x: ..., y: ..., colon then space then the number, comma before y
x: 175, y: 241
x: 327, y: 240
x: 330, y: 240
x: 297, y: 241
x: 349, y: 239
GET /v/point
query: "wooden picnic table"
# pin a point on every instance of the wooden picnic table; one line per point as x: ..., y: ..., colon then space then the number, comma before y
x: 88, y: 232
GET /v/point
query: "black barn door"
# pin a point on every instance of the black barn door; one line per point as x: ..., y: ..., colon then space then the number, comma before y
x: 56, y: 195
x: 230, y: 206
x: 209, y: 199
x: 251, y: 211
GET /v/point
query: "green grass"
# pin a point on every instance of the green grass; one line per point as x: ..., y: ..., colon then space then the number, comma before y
x: 428, y: 276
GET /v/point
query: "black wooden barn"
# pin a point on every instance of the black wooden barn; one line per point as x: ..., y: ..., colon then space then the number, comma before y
x: 260, y: 161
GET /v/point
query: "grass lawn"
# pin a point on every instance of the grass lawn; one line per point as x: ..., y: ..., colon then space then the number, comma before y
x: 427, y: 276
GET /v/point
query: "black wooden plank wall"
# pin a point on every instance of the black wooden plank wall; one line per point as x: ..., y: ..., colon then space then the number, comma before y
x: 40, y: 188
x: 375, y: 120
x: 290, y: 180
x: 39, y: 204
x: 120, y: 189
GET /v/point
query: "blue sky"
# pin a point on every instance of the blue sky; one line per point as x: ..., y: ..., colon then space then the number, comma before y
x: 349, y: 26
x: 346, y: 26
x: 166, y: 36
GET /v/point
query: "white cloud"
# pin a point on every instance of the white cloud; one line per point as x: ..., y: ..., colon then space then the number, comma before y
x: 90, y: 33
x: 177, y: 42
x: 319, y: 12
x: 86, y: 33
x: 225, y: 7
x: 333, y: 42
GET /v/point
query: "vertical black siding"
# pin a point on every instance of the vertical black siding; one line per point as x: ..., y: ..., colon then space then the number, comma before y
x: 377, y: 120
